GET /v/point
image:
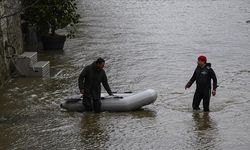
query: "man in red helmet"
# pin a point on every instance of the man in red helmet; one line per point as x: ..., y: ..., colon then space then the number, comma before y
x: 203, y: 75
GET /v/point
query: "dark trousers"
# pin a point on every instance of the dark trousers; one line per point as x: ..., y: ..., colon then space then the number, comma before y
x: 91, y: 103
x: 201, y: 95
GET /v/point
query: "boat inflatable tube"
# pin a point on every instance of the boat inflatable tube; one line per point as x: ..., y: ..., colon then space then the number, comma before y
x: 119, y: 102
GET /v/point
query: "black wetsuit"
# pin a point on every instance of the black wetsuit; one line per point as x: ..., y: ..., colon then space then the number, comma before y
x: 90, y: 81
x: 203, y: 77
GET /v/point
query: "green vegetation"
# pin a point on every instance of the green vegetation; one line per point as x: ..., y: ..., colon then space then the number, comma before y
x: 51, y: 15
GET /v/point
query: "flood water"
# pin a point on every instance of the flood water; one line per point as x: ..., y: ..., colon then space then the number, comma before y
x: 146, y: 44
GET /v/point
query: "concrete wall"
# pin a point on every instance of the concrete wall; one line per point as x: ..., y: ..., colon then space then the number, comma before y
x: 10, y: 37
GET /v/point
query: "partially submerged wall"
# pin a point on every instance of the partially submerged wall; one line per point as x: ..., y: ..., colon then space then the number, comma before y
x: 10, y: 36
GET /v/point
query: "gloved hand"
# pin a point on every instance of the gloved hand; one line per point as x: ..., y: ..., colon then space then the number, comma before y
x: 82, y: 91
x: 214, y: 92
x: 187, y: 86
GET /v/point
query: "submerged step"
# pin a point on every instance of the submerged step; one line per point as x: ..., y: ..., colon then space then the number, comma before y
x: 41, y: 68
x: 27, y: 65
x: 24, y: 62
x: 31, y: 57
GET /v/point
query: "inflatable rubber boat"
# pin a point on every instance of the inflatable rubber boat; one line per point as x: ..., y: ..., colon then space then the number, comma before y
x: 118, y: 102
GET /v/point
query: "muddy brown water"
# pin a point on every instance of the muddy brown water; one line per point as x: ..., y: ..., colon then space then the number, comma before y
x: 146, y: 44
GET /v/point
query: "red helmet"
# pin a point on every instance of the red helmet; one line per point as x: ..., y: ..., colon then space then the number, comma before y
x: 202, y: 58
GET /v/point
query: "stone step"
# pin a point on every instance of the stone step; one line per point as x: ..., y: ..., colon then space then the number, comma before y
x: 30, y: 57
x: 41, y: 69
x: 27, y: 65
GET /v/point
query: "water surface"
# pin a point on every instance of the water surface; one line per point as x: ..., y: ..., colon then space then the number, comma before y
x: 146, y: 44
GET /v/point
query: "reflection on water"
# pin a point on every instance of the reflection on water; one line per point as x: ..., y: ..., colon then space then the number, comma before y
x: 202, y: 121
x: 105, y: 131
x: 141, y: 113
x: 93, y: 133
x: 205, y: 131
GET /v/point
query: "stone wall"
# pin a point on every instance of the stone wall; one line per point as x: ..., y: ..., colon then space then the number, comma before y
x: 10, y: 36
